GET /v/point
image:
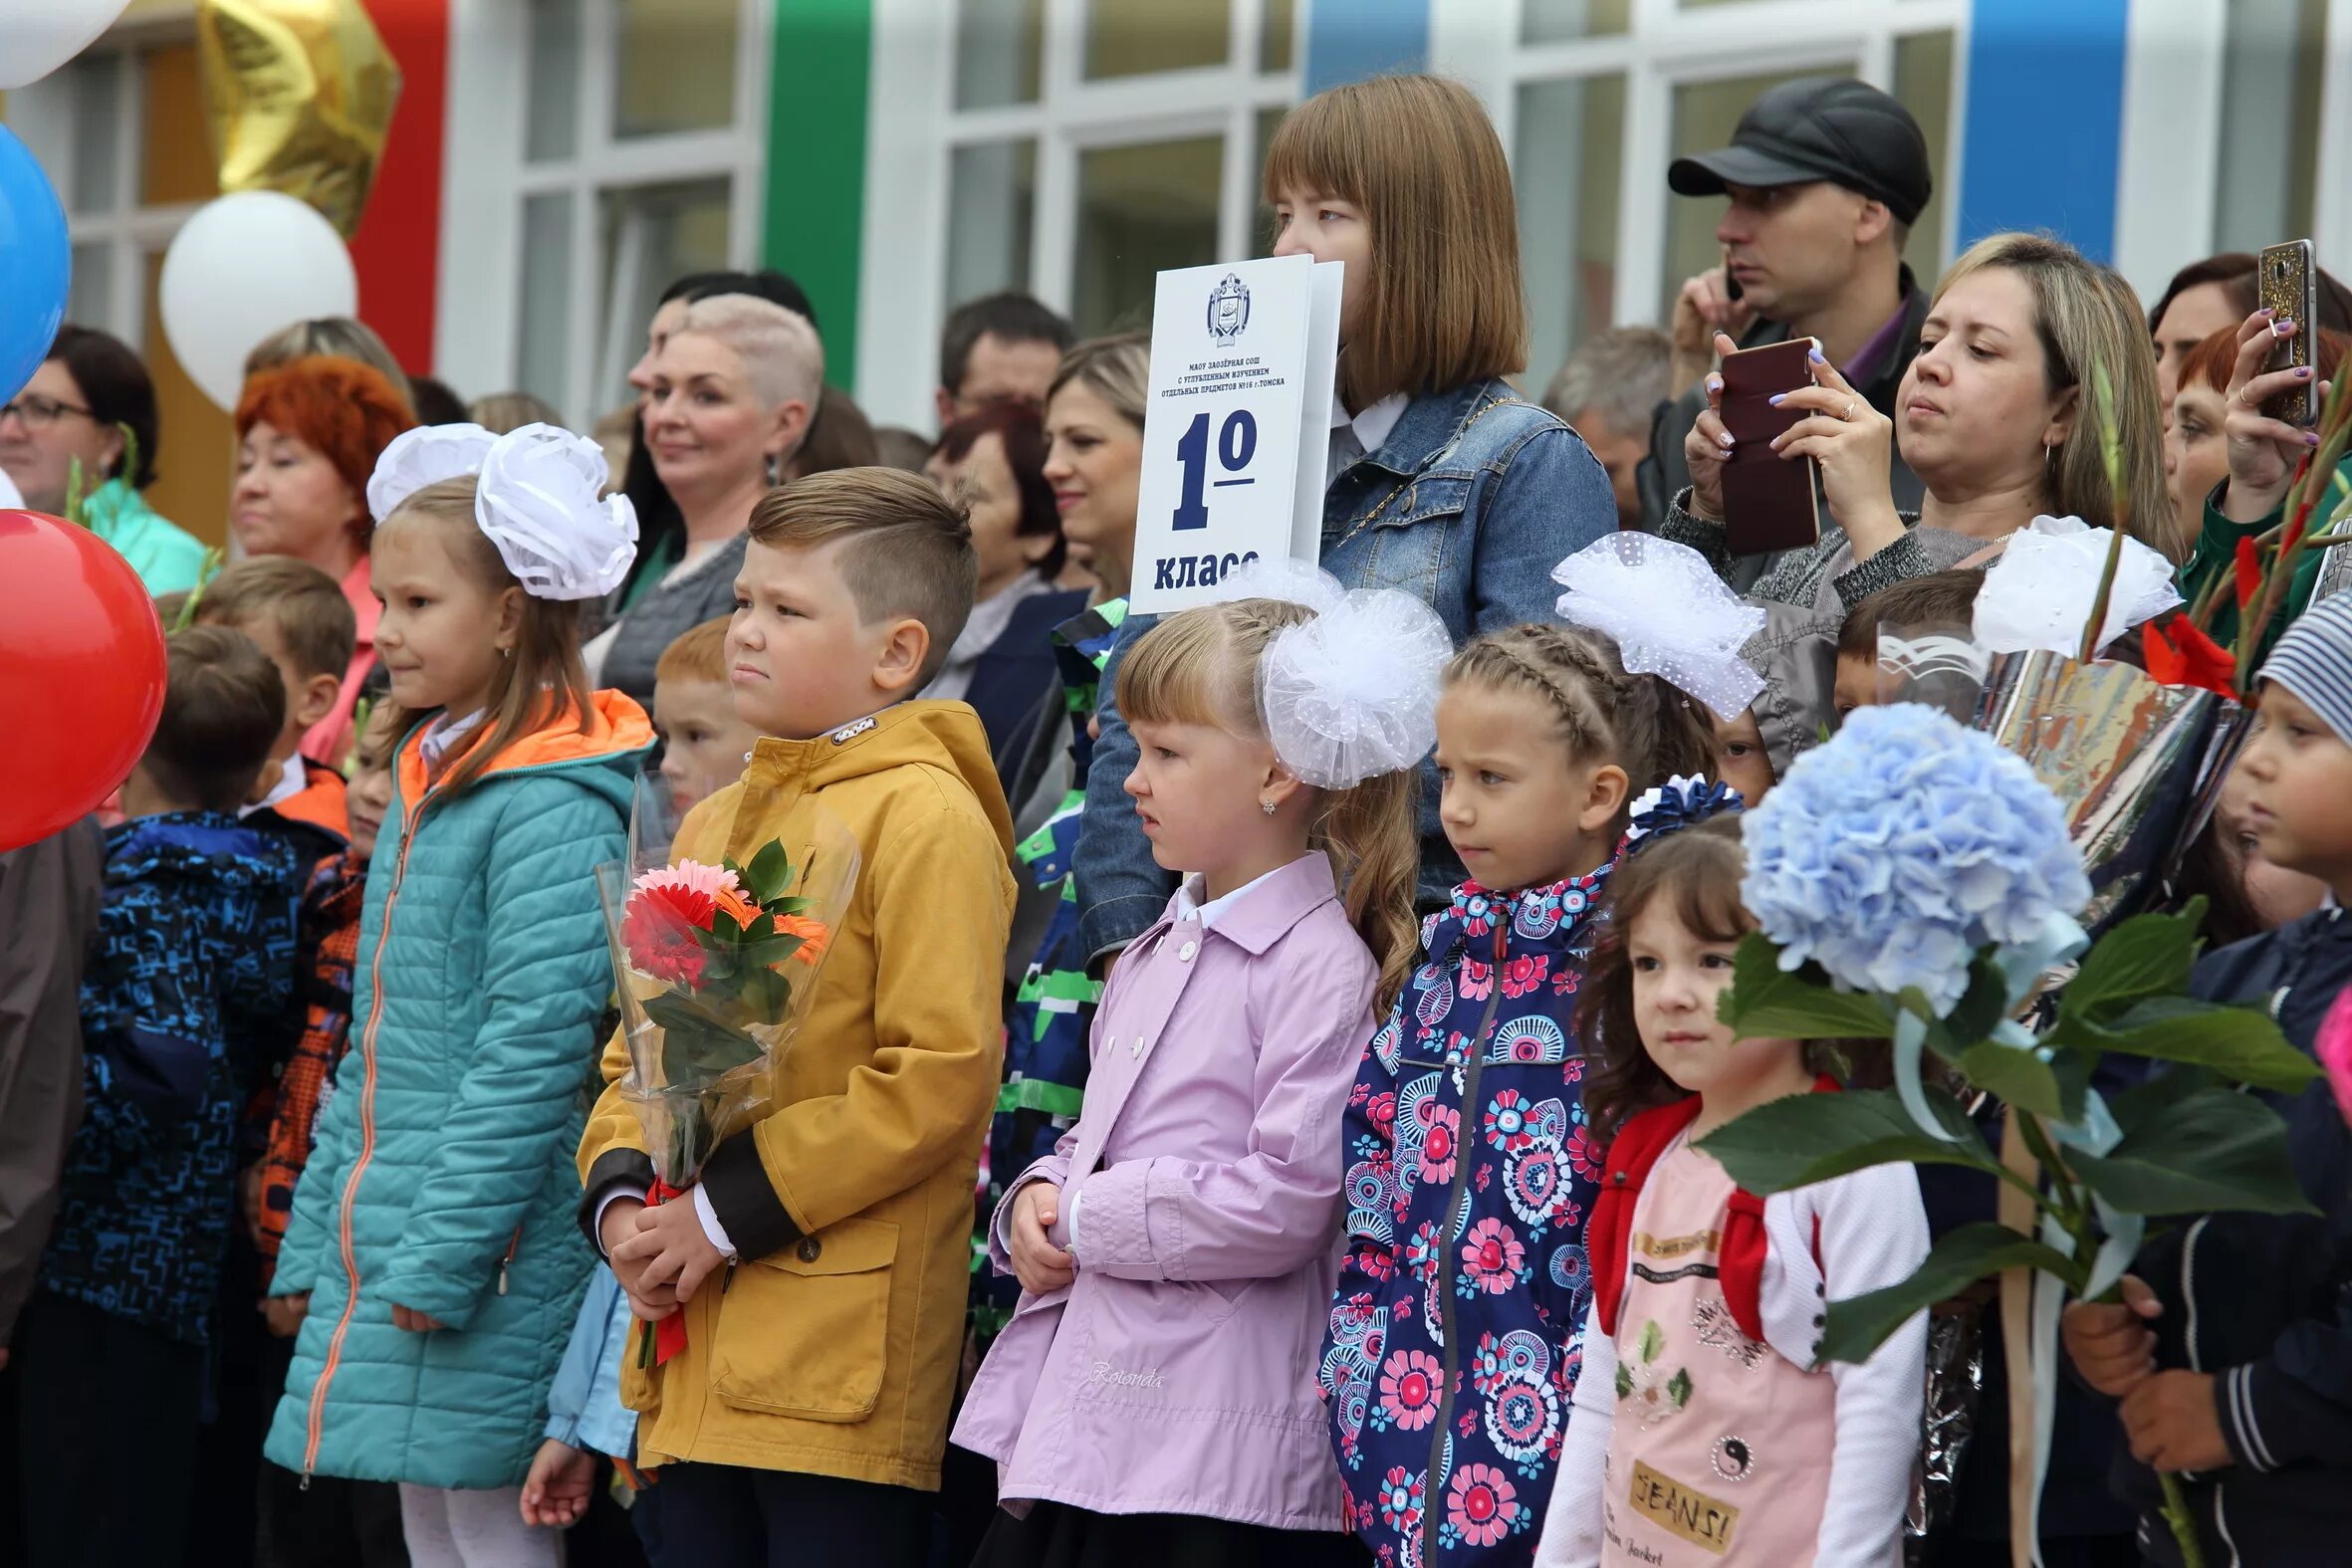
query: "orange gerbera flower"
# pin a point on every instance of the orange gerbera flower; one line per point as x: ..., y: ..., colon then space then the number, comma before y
x: 814, y: 935
x: 730, y: 898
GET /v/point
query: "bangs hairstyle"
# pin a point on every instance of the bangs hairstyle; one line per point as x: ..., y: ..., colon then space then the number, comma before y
x: 698, y: 654
x: 1200, y: 666
x: 1442, y: 304
x: 1020, y: 437
x: 1695, y: 874
x: 304, y: 605
x: 1643, y: 724
x: 1115, y: 370
x: 341, y: 408
x: 907, y: 551
x: 2085, y: 314
x: 541, y: 683
x: 224, y: 707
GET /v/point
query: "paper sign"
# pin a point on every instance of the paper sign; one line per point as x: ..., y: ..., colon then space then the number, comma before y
x: 1237, y: 426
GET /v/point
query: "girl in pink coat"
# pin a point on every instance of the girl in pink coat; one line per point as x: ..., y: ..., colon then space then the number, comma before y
x: 1153, y: 1398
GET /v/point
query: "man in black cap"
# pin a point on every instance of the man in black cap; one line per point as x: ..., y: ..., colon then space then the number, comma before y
x: 1824, y: 176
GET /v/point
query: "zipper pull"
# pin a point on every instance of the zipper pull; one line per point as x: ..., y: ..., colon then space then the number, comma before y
x: 728, y: 1283
x: 306, y: 1482
x: 502, y: 1277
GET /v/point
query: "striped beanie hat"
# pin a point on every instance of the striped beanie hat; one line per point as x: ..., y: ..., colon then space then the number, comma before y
x: 2314, y: 661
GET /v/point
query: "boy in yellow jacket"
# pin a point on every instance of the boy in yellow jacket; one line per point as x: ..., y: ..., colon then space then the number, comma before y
x: 820, y: 1265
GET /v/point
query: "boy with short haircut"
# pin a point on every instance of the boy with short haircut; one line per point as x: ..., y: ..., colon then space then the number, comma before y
x: 194, y: 947
x: 1941, y: 600
x: 296, y: 614
x: 811, y: 1401
x: 705, y: 743
x: 2243, y: 1391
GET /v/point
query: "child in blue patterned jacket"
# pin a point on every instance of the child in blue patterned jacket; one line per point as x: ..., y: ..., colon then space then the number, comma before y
x: 193, y: 962
x: 1451, y: 1347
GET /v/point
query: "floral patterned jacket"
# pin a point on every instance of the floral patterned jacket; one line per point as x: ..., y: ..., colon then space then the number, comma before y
x: 1452, y: 1342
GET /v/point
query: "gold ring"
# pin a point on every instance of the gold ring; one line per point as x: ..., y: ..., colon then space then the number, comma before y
x: 1847, y: 412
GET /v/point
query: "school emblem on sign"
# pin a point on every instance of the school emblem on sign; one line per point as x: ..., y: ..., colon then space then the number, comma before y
x: 1228, y: 309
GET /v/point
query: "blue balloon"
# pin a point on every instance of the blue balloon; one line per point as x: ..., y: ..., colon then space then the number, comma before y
x: 36, y: 264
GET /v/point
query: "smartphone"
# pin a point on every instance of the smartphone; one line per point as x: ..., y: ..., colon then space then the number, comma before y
x: 2290, y: 285
x: 1770, y: 502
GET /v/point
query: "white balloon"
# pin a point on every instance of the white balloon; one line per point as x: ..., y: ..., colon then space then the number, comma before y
x: 38, y: 35
x: 242, y: 267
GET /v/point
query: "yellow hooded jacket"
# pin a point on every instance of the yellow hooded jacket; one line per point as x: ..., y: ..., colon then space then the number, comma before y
x: 833, y: 1347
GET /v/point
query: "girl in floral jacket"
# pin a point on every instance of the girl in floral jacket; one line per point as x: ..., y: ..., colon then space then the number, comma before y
x: 1452, y: 1348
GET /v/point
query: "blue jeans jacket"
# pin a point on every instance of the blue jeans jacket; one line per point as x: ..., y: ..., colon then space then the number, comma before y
x: 1470, y: 502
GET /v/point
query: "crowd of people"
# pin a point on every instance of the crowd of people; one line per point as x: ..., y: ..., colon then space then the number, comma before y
x: 1246, y: 1109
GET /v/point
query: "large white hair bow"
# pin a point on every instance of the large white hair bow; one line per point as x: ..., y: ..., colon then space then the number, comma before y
x: 541, y: 502
x: 1354, y: 692
x: 1283, y: 578
x: 424, y: 456
x: 1669, y: 614
x: 2039, y: 592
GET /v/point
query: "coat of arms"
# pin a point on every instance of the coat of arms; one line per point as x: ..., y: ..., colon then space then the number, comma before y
x: 1228, y: 309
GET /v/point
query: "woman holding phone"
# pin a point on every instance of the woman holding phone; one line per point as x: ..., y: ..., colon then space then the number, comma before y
x: 1443, y: 481
x: 1996, y: 415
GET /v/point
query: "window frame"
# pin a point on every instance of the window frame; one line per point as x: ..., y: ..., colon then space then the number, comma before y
x: 488, y: 176
x: 916, y: 130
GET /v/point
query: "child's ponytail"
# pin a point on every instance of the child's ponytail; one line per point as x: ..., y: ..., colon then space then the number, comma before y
x: 1370, y: 834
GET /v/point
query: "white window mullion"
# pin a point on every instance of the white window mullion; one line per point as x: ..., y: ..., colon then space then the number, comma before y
x: 747, y: 188
x: 1237, y: 192
x: 2331, y: 213
x: 126, y: 287
x: 1642, y: 196
x: 2169, y: 149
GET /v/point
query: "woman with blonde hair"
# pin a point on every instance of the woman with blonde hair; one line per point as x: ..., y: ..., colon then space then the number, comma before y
x: 1443, y: 481
x: 1999, y: 416
x: 331, y: 337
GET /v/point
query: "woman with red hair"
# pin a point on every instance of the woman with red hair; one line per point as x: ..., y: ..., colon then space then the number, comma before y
x: 308, y: 434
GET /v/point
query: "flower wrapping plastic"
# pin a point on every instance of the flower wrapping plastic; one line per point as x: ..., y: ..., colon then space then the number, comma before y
x: 2041, y: 590
x: 542, y: 503
x: 1894, y: 852
x: 1680, y: 802
x: 1670, y: 614
x: 424, y: 456
x: 1354, y: 692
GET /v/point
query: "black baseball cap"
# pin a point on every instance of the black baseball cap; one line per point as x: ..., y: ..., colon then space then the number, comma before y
x: 1830, y: 128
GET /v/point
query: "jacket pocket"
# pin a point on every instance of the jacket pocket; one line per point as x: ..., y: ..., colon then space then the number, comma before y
x: 803, y: 1332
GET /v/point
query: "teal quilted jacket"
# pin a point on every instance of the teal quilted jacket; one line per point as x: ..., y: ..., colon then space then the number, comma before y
x: 442, y: 1180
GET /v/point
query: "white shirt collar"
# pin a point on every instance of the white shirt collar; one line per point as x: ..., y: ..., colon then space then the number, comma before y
x: 444, y: 732
x: 290, y: 779
x: 1371, y: 427
x: 1190, y: 907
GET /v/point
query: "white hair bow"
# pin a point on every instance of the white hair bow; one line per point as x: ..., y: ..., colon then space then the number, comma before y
x: 1669, y: 614
x: 1354, y: 692
x: 424, y: 456
x: 2039, y: 592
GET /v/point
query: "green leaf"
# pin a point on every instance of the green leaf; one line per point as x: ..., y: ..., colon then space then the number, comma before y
x: 726, y: 928
x: 1977, y: 1012
x: 1860, y: 1324
x: 2210, y: 1150
x: 1678, y: 1387
x: 1653, y: 1340
x: 2242, y: 1044
x: 770, y: 872
x: 1624, y: 1381
x: 793, y: 906
x: 2146, y: 956
x: 1810, y: 1138
x: 1767, y: 1002
x: 2021, y: 1078
x: 773, y: 950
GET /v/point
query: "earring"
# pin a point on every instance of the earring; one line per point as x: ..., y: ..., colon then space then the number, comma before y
x: 770, y: 470
x: 506, y: 653
x: 1267, y: 807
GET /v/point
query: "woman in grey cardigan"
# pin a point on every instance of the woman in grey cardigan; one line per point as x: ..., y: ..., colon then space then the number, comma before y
x: 733, y: 387
x: 1997, y: 415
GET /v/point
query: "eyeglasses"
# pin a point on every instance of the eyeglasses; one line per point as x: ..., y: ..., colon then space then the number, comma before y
x: 36, y: 412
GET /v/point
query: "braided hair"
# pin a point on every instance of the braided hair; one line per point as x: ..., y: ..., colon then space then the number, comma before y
x: 1200, y: 666
x: 1640, y: 722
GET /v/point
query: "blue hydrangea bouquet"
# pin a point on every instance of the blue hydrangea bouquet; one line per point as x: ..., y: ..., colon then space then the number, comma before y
x: 1915, y: 883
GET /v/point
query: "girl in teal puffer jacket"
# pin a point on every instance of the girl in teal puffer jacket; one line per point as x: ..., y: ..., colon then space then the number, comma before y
x: 432, y: 1238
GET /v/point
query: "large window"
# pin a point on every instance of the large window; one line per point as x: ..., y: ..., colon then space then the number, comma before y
x: 113, y: 130
x: 1080, y: 148
x: 633, y: 153
x: 1595, y: 97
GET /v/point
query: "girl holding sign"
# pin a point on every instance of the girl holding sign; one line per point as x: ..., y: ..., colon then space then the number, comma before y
x: 1444, y: 482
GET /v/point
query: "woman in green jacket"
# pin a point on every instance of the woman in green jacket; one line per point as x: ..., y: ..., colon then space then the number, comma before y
x: 2251, y: 499
x: 91, y: 404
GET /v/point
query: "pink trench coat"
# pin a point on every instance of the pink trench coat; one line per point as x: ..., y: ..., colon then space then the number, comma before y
x: 1177, y: 1375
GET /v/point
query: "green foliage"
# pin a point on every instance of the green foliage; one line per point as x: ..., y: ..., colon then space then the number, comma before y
x: 1860, y: 1324
x: 1808, y: 1138
x: 1766, y: 1001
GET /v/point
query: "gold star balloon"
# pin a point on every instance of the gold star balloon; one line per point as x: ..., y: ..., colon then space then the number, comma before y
x: 298, y: 98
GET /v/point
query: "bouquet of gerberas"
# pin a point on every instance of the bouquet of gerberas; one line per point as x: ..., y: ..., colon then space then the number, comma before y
x: 715, y: 965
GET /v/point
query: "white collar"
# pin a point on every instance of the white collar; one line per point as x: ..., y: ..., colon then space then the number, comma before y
x: 290, y: 779
x: 1371, y: 427
x: 1189, y: 906
x: 443, y: 733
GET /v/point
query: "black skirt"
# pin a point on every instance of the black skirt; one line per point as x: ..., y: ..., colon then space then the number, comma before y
x: 1055, y: 1535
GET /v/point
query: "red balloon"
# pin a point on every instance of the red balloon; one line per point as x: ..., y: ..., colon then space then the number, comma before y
x: 81, y: 673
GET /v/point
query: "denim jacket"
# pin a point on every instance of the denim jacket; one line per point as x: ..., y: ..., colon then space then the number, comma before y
x: 1470, y: 502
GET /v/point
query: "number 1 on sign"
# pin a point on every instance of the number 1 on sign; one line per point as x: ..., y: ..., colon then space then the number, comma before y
x: 1237, y: 443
